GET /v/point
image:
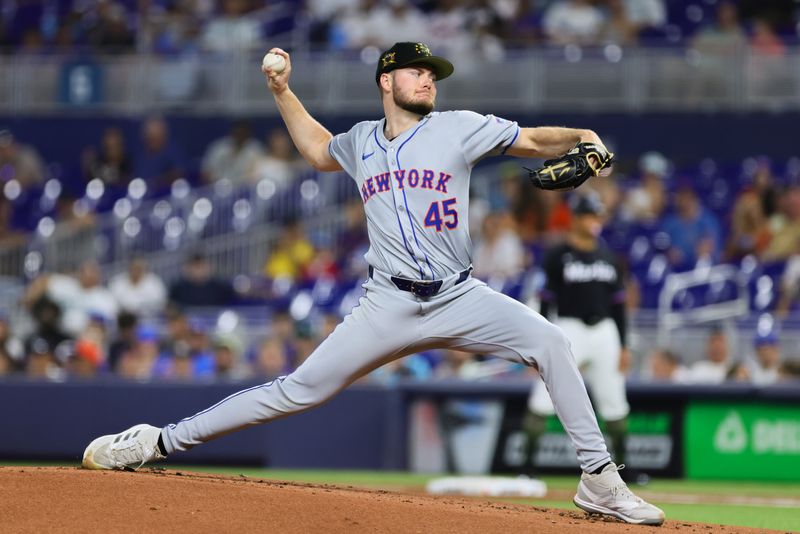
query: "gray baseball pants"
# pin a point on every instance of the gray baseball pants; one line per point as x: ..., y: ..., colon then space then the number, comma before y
x: 389, y: 324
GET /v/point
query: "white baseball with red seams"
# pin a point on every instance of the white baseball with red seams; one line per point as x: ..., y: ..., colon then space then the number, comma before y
x: 274, y: 62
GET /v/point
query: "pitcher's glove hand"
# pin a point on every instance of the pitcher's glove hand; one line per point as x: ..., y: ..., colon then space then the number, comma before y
x: 569, y: 171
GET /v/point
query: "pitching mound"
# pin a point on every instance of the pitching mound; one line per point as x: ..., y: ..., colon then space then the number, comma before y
x: 73, y: 500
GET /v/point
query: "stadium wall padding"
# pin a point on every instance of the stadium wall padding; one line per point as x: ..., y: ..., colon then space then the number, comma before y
x: 369, y: 426
x: 55, y: 421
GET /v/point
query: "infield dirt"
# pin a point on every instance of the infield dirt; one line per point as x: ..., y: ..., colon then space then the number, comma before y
x: 64, y: 499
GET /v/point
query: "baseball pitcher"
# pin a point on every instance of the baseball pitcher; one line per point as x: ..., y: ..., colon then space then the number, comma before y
x: 412, y: 168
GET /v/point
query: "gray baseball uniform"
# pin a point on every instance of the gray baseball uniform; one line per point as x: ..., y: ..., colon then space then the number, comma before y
x: 419, y: 295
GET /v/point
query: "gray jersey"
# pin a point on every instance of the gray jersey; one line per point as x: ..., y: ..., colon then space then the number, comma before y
x: 415, y: 188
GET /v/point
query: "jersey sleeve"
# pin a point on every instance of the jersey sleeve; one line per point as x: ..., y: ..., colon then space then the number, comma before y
x: 343, y: 148
x: 485, y: 135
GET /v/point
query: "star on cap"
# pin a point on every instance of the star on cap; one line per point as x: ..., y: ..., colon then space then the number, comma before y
x: 388, y: 59
x: 422, y: 49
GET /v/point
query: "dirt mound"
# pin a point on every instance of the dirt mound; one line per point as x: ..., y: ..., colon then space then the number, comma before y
x: 73, y: 500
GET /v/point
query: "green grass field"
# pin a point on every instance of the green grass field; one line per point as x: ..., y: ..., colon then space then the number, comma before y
x: 753, y: 504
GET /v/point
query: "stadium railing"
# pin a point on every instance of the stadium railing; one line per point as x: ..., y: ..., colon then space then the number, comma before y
x: 545, y: 78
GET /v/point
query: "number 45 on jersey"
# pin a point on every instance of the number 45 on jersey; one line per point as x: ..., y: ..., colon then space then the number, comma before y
x: 447, y: 216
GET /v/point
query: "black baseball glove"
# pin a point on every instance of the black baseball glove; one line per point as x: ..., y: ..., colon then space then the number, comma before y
x: 572, y: 169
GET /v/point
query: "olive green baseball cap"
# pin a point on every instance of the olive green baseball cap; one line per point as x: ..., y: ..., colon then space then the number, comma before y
x: 403, y: 55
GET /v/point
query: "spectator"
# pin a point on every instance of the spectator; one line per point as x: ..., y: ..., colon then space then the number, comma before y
x: 524, y: 202
x: 11, y: 235
x: 77, y: 296
x: 559, y: 217
x: 235, y: 30
x: 292, y: 253
x: 714, y: 368
x: 139, y: 360
x: 749, y: 229
x: 139, y: 291
x: 8, y: 365
x: 271, y: 359
x: 227, y: 359
x: 500, y: 252
x: 160, y: 162
x: 358, y: 26
x: 785, y: 240
x: 526, y: 25
x: 322, y: 13
x: 198, y: 286
x: 175, y: 36
x: 12, y: 351
x: 41, y: 362
x: 573, y: 22
x: 400, y: 22
x: 723, y: 38
x: 764, y: 186
x: 279, y: 162
x: 193, y: 360
x: 46, y: 316
x: 176, y: 337
x: 109, y: 32
x: 85, y: 359
x: 352, y: 239
x: 739, y: 372
x: 19, y: 162
x: 110, y: 162
x: 646, y: 13
x: 764, y: 42
x: 765, y: 370
x: 717, y: 47
x: 766, y: 70
x: 232, y: 157
x: 646, y: 201
x: 283, y: 329
x: 618, y: 28
x: 449, y: 34
x: 322, y: 265
x: 693, y: 231
x: 304, y: 342
x: 666, y: 366
x: 789, y: 287
x: 124, y: 341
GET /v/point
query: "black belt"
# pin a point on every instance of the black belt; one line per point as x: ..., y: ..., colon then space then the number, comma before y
x: 423, y: 288
x: 590, y: 320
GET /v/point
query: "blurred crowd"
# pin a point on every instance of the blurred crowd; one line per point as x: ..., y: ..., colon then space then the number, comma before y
x: 660, y: 218
x: 136, y: 325
x: 455, y: 27
x: 115, y: 167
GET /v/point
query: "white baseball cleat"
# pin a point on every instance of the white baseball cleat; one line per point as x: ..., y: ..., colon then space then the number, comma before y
x: 606, y: 493
x: 130, y: 449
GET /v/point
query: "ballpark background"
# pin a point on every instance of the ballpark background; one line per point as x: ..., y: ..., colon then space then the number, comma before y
x: 163, y: 245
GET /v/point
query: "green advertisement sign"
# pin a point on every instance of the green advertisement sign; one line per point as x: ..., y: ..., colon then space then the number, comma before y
x: 742, y: 441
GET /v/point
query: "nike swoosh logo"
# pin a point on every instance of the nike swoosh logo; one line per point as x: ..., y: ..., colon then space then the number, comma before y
x: 367, y: 156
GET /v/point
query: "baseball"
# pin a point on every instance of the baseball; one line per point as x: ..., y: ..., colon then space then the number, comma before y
x: 274, y: 62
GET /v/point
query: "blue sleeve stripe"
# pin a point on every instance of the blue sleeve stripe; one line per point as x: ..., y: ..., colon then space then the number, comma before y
x: 509, y: 145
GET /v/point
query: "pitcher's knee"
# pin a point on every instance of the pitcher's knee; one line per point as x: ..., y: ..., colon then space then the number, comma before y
x: 297, y: 395
x: 549, y: 344
x: 553, y: 339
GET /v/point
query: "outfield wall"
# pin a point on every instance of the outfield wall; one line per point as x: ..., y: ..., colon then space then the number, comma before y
x: 731, y: 431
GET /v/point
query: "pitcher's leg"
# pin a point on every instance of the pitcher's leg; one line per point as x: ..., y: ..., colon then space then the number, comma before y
x: 479, y: 319
x: 367, y: 338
